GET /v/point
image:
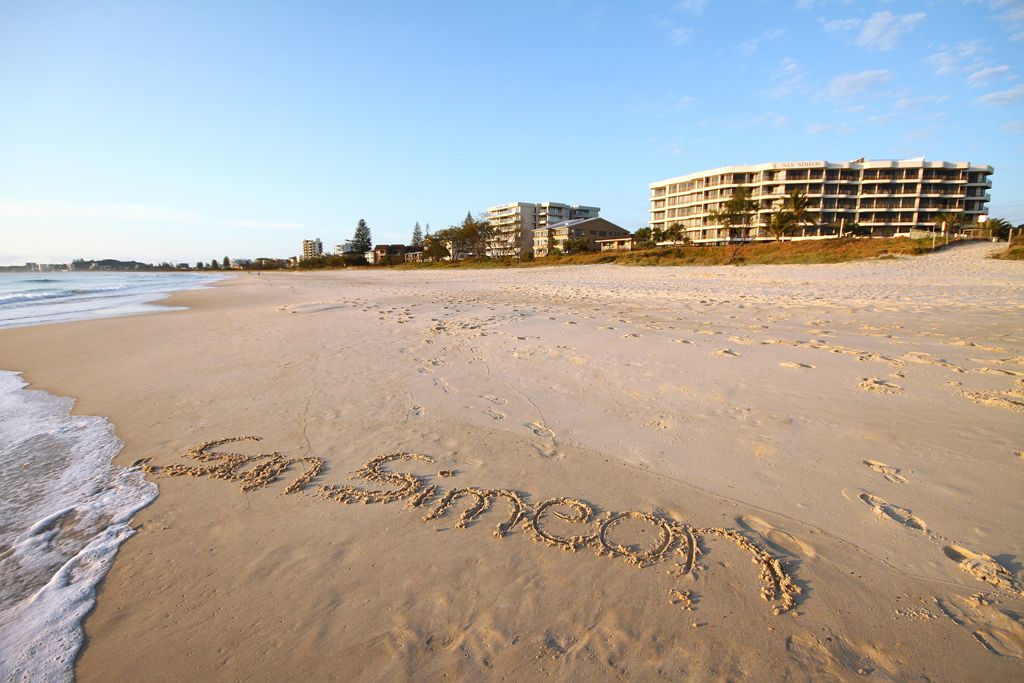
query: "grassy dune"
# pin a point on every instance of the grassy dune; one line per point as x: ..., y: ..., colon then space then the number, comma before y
x: 1014, y: 252
x: 816, y: 251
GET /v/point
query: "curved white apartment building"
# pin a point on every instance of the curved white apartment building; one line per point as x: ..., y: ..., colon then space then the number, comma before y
x: 884, y: 196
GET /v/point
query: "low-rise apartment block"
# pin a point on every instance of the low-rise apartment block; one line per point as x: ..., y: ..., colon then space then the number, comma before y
x: 553, y: 238
x: 514, y: 224
x: 885, y: 197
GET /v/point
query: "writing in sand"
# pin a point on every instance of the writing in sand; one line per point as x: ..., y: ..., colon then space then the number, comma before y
x: 674, y: 538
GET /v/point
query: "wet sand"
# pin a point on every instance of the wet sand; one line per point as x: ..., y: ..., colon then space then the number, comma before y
x: 575, y: 473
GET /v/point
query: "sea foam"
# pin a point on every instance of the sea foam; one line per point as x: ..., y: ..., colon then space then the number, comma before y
x: 64, y: 511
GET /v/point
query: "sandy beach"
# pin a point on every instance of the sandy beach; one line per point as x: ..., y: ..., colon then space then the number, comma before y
x: 594, y: 473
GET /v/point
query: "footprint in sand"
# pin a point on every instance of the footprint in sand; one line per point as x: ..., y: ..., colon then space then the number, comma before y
x: 416, y: 411
x: 983, y: 568
x: 631, y: 335
x: 440, y: 383
x: 683, y: 341
x: 889, y: 472
x: 540, y: 430
x: 796, y: 366
x: 725, y: 352
x: 879, y: 386
x: 999, y: 631
x: 496, y: 400
x: 894, y: 512
x: 495, y: 414
x: 778, y: 538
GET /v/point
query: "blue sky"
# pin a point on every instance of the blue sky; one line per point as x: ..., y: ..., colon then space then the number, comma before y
x: 190, y: 130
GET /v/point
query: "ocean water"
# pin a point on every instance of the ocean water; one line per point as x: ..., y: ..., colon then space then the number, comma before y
x: 38, y: 298
x: 64, y: 511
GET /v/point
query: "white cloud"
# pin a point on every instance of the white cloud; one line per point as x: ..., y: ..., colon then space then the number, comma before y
x: 680, y: 36
x: 913, y: 102
x: 768, y: 119
x: 787, y: 78
x: 692, y: 6
x: 925, y: 132
x: 750, y: 47
x: 881, y: 31
x: 842, y: 25
x: 986, y: 75
x: 1013, y: 126
x: 836, y: 128
x: 856, y: 85
x: 951, y: 59
x: 129, y: 212
x: 1003, y: 97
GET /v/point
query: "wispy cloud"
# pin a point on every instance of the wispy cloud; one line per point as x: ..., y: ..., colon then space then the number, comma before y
x: 881, y: 31
x: 987, y: 75
x: 769, y: 119
x: 1003, y: 97
x: 786, y: 79
x: 962, y: 57
x: 680, y: 35
x: 909, y: 102
x: 751, y: 46
x: 833, y: 128
x: 860, y: 84
x: 691, y: 6
x: 1013, y: 126
x: 130, y: 212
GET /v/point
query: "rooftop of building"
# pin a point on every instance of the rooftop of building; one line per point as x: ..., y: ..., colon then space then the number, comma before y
x: 917, y: 162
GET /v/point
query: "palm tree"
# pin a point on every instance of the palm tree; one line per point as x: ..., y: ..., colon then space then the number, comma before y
x: 799, y: 206
x: 781, y: 222
x: 1000, y: 227
x: 735, y: 211
x: 952, y: 221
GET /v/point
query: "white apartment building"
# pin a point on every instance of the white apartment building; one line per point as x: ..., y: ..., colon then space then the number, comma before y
x: 885, y: 197
x: 514, y: 223
x: 313, y: 248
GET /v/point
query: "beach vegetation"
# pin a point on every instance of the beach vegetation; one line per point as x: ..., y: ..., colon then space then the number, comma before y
x: 753, y: 253
x: 417, y: 237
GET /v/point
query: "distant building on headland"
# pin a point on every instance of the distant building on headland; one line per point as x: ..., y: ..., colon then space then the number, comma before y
x: 312, y: 249
x: 883, y: 197
x: 514, y: 224
x: 584, y: 232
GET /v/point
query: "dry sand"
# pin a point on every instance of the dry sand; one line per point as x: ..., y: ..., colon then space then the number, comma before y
x: 860, y: 424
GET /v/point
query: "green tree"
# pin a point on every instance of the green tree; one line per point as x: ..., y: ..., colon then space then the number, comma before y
x: 643, y: 238
x: 781, y: 222
x: 435, y: 247
x: 951, y: 220
x: 200, y: 265
x: 799, y: 207
x: 214, y: 265
x: 362, y: 240
x: 226, y: 263
x: 735, y: 212
x: 1000, y: 227
x: 575, y: 245
x: 417, y: 237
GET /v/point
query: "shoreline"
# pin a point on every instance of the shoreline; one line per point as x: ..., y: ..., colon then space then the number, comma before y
x: 547, y: 383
